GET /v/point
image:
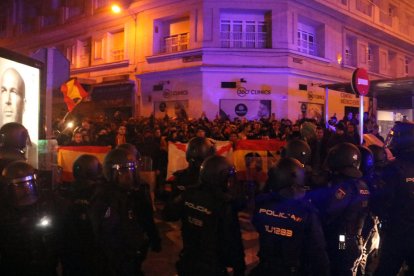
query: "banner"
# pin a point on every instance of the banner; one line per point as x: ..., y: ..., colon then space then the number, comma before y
x: 253, y: 158
x: 67, y: 155
x: 176, y: 154
x: 250, y: 109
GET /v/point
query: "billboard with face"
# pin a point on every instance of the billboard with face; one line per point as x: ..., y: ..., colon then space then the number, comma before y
x: 20, y: 86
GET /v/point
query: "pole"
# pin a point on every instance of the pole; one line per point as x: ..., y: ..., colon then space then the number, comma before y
x: 361, y: 119
x: 326, y: 107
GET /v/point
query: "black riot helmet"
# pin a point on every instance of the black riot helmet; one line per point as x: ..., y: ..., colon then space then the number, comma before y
x: 380, y: 155
x: 14, y: 135
x: 367, y: 161
x: 131, y: 149
x: 400, y: 139
x: 345, y: 158
x: 198, y: 149
x: 215, y: 173
x: 297, y: 149
x: 8, y: 155
x: 20, y: 179
x: 87, y: 167
x: 119, y: 168
x: 289, y: 174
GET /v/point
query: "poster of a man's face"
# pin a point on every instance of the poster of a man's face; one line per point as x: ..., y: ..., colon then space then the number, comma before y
x: 12, y: 96
x: 20, y: 81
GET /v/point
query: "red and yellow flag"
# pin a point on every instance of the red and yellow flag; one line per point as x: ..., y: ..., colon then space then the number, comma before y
x: 73, y: 93
x: 253, y: 158
x: 67, y: 155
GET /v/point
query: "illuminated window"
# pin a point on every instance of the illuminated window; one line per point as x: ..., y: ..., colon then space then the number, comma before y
x: 85, y: 53
x: 117, y: 46
x: 306, y: 42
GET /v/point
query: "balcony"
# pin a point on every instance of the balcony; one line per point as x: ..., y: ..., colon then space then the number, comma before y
x: 176, y: 43
x: 364, y: 6
x: 385, y: 18
x: 117, y: 54
x: 243, y: 40
x: 307, y: 47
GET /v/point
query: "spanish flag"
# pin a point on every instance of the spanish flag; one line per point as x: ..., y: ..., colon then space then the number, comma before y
x: 253, y: 158
x: 73, y: 93
x: 67, y: 155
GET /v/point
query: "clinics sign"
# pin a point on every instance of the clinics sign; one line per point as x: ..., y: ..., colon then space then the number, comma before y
x: 242, y: 92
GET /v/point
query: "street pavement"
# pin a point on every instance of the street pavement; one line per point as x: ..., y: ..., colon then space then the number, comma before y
x: 162, y: 263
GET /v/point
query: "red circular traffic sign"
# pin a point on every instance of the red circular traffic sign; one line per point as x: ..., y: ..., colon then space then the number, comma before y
x: 360, y: 81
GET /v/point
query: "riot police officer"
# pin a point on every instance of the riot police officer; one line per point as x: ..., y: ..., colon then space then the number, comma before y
x: 13, y: 141
x: 79, y: 253
x: 122, y: 216
x: 290, y: 234
x: 27, y: 225
x: 344, y: 208
x: 198, y: 149
x: 297, y: 149
x: 398, y: 243
x: 210, y: 227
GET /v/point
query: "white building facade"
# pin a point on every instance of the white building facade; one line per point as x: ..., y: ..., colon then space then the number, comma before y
x: 227, y: 58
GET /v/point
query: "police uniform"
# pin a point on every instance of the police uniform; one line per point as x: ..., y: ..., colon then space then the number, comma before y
x: 210, y: 227
x: 122, y: 216
x: 27, y: 225
x: 290, y: 234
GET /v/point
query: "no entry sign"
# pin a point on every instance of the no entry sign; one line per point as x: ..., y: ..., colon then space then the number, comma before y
x: 360, y: 81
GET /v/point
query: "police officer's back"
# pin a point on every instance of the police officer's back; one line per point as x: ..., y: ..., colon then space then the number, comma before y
x: 27, y: 225
x: 198, y: 149
x: 398, y: 243
x: 344, y: 207
x: 290, y: 233
x: 122, y: 216
x: 210, y: 228
x: 79, y: 252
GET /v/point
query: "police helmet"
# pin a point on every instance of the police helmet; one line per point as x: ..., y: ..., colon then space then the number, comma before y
x: 400, y: 139
x: 215, y: 173
x: 379, y: 154
x: 8, y: 155
x: 119, y: 167
x: 345, y: 158
x: 86, y: 167
x: 289, y: 173
x: 198, y: 149
x: 367, y: 161
x: 20, y: 179
x: 131, y: 149
x: 297, y: 149
x: 14, y: 135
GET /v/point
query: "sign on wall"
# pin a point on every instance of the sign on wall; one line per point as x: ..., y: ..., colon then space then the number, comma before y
x: 250, y: 109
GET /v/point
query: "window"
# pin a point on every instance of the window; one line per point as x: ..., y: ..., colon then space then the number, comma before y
x: 243, y: 34
x: 344, y: 2
x: 364, y: 6
x: 71, y: 54
x: 369, y: 55
x: 117, y: 46
x: 85, y: 53
x: 306, y: 42
x: 407, y: 66
x: 172, y: 35
x: 101, y: 4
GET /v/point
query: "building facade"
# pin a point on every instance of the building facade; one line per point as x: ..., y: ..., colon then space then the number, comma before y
x: 224, y: 58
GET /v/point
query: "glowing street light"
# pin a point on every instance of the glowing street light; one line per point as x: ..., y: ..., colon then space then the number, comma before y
x: 116, y: 8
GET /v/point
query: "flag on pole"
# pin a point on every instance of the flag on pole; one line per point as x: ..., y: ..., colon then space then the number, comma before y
x: 73, y: 93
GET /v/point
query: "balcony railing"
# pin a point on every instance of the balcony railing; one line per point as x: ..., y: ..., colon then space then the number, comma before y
x: 364, y: 6
x: 385, y: 18
x: 176, y: 43
x: 243, y: 39
x: 307, y: 47
x: 117, y: 55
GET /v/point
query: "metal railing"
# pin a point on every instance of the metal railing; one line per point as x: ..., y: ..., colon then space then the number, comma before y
x: 117, y: 54
x: 307, y: 47
x: 176, y: 43
x: 243, y: 39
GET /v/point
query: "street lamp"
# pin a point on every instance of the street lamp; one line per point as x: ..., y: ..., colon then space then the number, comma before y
x: 116, y: 8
